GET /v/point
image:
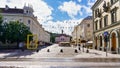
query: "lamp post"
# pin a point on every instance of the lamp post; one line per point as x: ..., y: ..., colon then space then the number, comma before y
x: 76, y: 37
x: 106, y: 39
x: 83, y: 41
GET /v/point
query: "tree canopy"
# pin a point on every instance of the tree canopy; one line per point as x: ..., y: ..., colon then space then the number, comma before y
x: 13, y: 31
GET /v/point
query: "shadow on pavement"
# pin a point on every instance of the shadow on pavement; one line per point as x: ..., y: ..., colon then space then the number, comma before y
x: 19, y: 53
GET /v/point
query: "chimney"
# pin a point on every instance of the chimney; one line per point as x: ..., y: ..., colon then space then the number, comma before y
x: 6, y: 7
x: 15, y: 7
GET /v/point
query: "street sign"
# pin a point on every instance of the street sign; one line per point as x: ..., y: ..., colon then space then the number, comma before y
x: 106, y: 36
x: 106, y: 33
x: 106, y: 39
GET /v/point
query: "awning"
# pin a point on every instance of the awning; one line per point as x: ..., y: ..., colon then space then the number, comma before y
x: 90, y: 42
x: 83, y: 41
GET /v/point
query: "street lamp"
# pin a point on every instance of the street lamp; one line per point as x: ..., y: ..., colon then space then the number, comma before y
x: 83, y: 41
x: 76, y: 37
x: 106, y: 39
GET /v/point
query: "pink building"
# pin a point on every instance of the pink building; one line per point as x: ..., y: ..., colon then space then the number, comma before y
x: 62, y: 38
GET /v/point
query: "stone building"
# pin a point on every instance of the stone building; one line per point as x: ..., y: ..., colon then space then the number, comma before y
x: 26, y: 16
x: 62, y: 38
x: 84, y: 30
x: 106, y: 19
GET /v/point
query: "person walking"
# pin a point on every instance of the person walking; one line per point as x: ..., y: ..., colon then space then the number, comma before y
x: 21, y: 46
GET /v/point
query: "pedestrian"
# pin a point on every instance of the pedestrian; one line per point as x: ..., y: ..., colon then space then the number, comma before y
x: 21, y: 46
x: 32, y: 44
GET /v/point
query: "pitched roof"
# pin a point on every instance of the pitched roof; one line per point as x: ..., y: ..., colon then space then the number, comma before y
x: 62, y: 35
x: 11, y: 10
x: 88, y: 17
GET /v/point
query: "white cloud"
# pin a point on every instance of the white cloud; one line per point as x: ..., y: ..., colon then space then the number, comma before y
x: 91, y: 2
x: 44, y: 11
x: 87, y: 9
x: 41, y: 9
x: 67, y: 26
x: 71, y: 8
x: 79, y: 0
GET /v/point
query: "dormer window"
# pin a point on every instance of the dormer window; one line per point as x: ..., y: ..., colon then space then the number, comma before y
x: 5, y: 20
x: 6, y: 7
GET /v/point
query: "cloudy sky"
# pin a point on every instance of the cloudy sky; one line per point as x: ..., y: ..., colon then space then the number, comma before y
x: 56, y: 15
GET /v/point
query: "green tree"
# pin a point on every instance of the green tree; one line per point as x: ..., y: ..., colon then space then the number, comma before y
x: 1, y: 20
x: 52, y: 38
x: 16, y: 31
x: 1, y: 28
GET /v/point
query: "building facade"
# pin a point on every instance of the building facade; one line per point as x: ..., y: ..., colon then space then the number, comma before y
x: 27, y: 17
x: 106, y: 19
x: 62, y: 38
x: 84, y: 30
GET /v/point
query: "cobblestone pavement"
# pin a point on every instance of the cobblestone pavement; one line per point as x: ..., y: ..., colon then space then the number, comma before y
x: 27, y: 64
x: 53, y: 57
x: 55, y: 51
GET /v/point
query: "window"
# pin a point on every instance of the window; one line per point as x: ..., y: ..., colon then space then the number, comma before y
x: 96, y: 25
x: 88, y: 25
x: 106, y: 20
x: 96, y: 12
x: 5, y: 20
x: 20, y: 20
x: 113, y: 16
x: 62, y: 39
x: 29, y: 21
x: 100, y: 23
x: 113, y: 1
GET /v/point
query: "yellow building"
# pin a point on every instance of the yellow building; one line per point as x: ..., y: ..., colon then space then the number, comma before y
x: 26, y: 16
x: 106, y: 18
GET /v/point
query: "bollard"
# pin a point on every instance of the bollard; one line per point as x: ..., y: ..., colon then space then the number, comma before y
x: 48, y: 50
x: 87, y: 51
x: 22, y: 50
x: 79, y: 48
x: 83, y: 48
x: 76, y: 51
x: 61, y: 50
x: 37, y: 50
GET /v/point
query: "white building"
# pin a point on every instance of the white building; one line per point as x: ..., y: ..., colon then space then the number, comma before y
x: 26, y: 16
x: 83, y: 31
x: 106, y: 18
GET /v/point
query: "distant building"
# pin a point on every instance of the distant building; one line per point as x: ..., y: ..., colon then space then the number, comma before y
x: 62, y: 38
x: 106, y: 18
x: 84, y: 30
x: 27, y: 17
